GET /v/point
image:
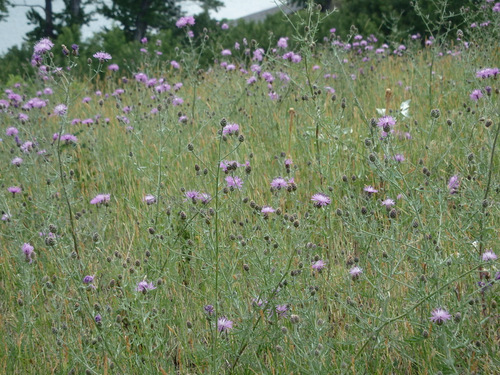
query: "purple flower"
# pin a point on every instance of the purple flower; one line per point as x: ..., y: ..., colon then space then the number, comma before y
x: 266, y: 210
x: 224, y: 324
x: 234, y: 182
x: 388, y: 203
x: 184, y: 21
x: 11, y: 131
x: 399, y: 158
x: 149, y: 199
x: 28, y: 251
x: 439, y: 316
x: 283, y: 42
x: 17, y: 161
x: 321, y: 200
x: 489, y: 255
x: 230, y: 129
x: 14, y: 190
x: 251, y: 80
x: 386, y: 121
x: 26, y: 146
x: 98, y: 318
x: 69, y: 138
x: 175, y: 64
x: 279, y: 183
x: 60, y: 109
x: 44, y: 45
x: 224, y: 26
x: 318, y: 265
x: 144, y: 286
x: 88, y: 279
x: 282, y: 310
x: 100, y: 198
x: 209, y: 309
x: 226, y: 52
x: 113, y: 67
x: 102, y: 56
x: 370, y: 189
x: 453, y: 184
x: 476, y: 95
x: 487, y: 72
x: 355, y: 272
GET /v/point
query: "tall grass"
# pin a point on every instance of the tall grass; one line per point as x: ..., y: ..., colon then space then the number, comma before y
x: 230, y: 287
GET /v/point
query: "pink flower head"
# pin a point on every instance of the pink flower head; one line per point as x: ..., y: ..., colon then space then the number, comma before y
x: 370, y: 189
x: 60, y: 109
x: 44, y: 45
x: 226, y: 52
x: 149, y: 199
x: 184, y: 21
x: 321, y: 200
x: 113, y: 67
x: 439, y: 316
x: 489, y: 255
x: 266, y: 210
x: 224, y: 324
x: 234, y: 182
x: 476, y: 95
x: 355, y: 272
x: 388, y: 203
x: 100, y: 199
x: 230, y: 129
x: 28, y: 251
x: 102, y: 56
x: 386, y: 120
x: 224, y: 26
x: 283, y: 42
x: 144, y: 286
x: 453, y: 184
x: 14, y: 190
x: 17, y: 161
x: 318, y: 265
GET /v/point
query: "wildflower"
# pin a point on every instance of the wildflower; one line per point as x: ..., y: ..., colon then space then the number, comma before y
x: 184, y: 21
x: 487, y: 72
x: 44, y: 45
x: 102, y: 56
x: 251, y: 80
x: 266, y: 210
x: 149, y: 199
x: 355, y: 272
x: 224, y: 324
x: 88, y: 279
x: 209, y: 309
x: 17, y: 162
x: 279, y: 183
x: 230, y: 129
x: 320, y: 200
x: 100, y: 198
x: 11, y: 131
x: 283, y: 42
x: 258, y: 302
x: 6, y: 217
x: 113, y: 67
x: 489, y: 255
x: 224, y: 26
x: 60, y: 109
x: 388, y: 203
x: 370, y: 189
x: 235, y: 182
x: 28, y: 252
x: 318, y: 265
x: 14, y: 190
x: 226, y: 52
x: 98, y: 318
x: 144, y: 286
x: 385, y: 121
x: 69, y: 138
x: 282, y: 310
x: 476, y: 95
x: 453, y: 184
x: 399, y: 158
x: 439, y: 316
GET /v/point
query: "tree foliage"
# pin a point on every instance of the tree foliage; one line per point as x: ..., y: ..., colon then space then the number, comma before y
x: 138, y: 16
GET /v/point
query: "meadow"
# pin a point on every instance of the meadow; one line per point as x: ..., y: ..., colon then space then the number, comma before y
x: 325, y: 210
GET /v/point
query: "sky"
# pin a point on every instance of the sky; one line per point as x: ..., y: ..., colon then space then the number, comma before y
x: 16, y: 26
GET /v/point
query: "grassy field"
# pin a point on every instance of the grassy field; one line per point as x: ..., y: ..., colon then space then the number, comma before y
x: 143, y: 232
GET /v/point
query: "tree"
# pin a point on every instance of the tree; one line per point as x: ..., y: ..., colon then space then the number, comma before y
x: 3, y: 9
x: 137, y: 16
x: 50, y: 24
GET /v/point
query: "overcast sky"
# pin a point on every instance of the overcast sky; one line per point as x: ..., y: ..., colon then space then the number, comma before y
x: 16, y: 26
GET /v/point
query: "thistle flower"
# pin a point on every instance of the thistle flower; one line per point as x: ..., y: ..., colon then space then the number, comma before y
x: 476, y: 95
x: 149, y: 199
x: 28, y: 251
x: 320, y: 200
x: 388, y: 203
x: 235, y: 182
x: 453, y: 184
x: 100, y: 198
x: 439, y: 316
x: 88, y: 279
x: 266, y: 210
x: 370, y: 190
x: 102, y: 56
x: 43, y: 45
x: 14, y: 190
x: 11, y: 131
x: 17, y: 161
x: 224, y: 324
x: 318, y: 265
x: 489, y: 255
x: 60, y: 109
x: 209, y: 309
x: 355, y: 272
x: 144, y: 286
